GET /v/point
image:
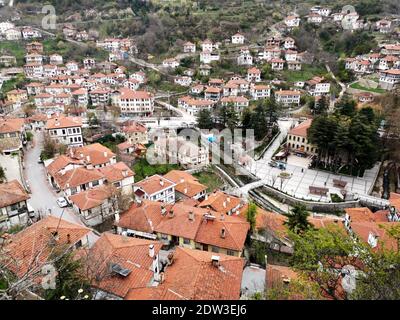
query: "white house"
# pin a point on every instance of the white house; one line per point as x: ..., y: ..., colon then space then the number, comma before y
x: 65, y: 130
x: 170, y: 63
x: 140, y: 103
x: 238, y: 38
x: 183, y: 81
x: 245, y: 58
x: 317, y: 86
x: 389, y: 79
x: 292, y: 21
x: 314, y: 17
x: 13, y: 34
x: 56, y: 59
x: 260, y: 91
x: 189, y: 47
x: 288, y: 97
x: 253, y: 75
x: 209, y: 56
x: 277, y: 64
x: 155, y: 188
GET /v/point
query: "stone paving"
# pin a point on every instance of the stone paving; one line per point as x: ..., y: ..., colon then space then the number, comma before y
x: 301, y: 177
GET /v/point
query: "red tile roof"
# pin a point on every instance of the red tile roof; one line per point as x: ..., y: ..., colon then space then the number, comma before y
x: 92, y: 198
x: 192, y: 276
x: 76, y: 177
x: 63, y: 122
x: 11, y: 193
x: 154, y: 184
x: 129, y: 253
x: 220, y: 202
x: 116, y: 172
x: 185, y: 183
x: 31, y: 248
x: 301, y: 129
x: 11, y: 125
x: 97, y: 153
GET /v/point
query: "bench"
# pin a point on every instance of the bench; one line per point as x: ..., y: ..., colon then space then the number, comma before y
x: 339, y: 183
x: 318, y: 190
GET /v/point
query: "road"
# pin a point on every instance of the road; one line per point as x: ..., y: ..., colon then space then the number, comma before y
x: 43, y: 198
x: 342, y: 91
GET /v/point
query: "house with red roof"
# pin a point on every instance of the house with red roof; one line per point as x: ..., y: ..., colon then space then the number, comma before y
x: 13, y: 204
x: 195, y: 275
x: 156, y: 188
x: 186, y: 226
x: 297, y: 138
x: 65, y: 130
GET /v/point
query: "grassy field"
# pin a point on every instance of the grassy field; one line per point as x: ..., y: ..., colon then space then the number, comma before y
x: 306, y: 73
x: 143, y: 169
x: 360, y: 87
x: 15, y: 48
x: 209, y: 179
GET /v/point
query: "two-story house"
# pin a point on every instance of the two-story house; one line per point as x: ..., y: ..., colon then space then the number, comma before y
x: 13, y: 204
x: 65, y: 130
x: 155, y: 188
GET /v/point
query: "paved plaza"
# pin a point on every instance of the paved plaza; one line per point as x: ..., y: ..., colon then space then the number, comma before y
x: 301, y: 177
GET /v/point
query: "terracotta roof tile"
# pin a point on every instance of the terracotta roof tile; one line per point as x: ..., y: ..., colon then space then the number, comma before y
x: 192, y: 276
x: 11, y: 193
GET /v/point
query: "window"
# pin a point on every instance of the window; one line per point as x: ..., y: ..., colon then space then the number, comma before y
x: 230, y: 252
x: 186, y: 241
x: 95, y: 183
x: 215, y: 249
x: 164, y: 237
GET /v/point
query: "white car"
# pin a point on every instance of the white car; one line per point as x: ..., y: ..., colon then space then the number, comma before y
x: 62, y: 203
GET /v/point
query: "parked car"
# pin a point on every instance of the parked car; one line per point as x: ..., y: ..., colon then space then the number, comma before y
x: 62, y: 203
x: 273, y: 164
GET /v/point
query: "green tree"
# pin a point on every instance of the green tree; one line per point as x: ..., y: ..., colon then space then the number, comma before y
x: 346, y: 106
x: 318, y: 251
x: 251, y: 214
x: 69, y: 279
x: 297, y: 220
x: 205, y: 120
x: 246, y: 118
x: 260, y: 121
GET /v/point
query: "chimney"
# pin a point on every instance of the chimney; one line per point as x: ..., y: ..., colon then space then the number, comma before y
x: 224, y: 204
x: 171, y: 213
x: 88, y: 158
x: 191, y: 216
x: 215, y: 261
x: 185, y: 191
x: 55, y: 235
x: 161, y: 182
x: 222, y: 216
x: 105, y: 154
x: 228, y: 199
x: 125, y: 173
x: 182, y: 180
x: 116, y: 217
x: 68, y: 238
x: 223, y: 233
x: 170, y: 258
x: 151, y: 250
x: 163, y: 210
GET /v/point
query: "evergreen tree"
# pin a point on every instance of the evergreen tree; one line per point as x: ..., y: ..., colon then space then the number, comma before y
x: 298, y: 219
x: 204, y: 119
